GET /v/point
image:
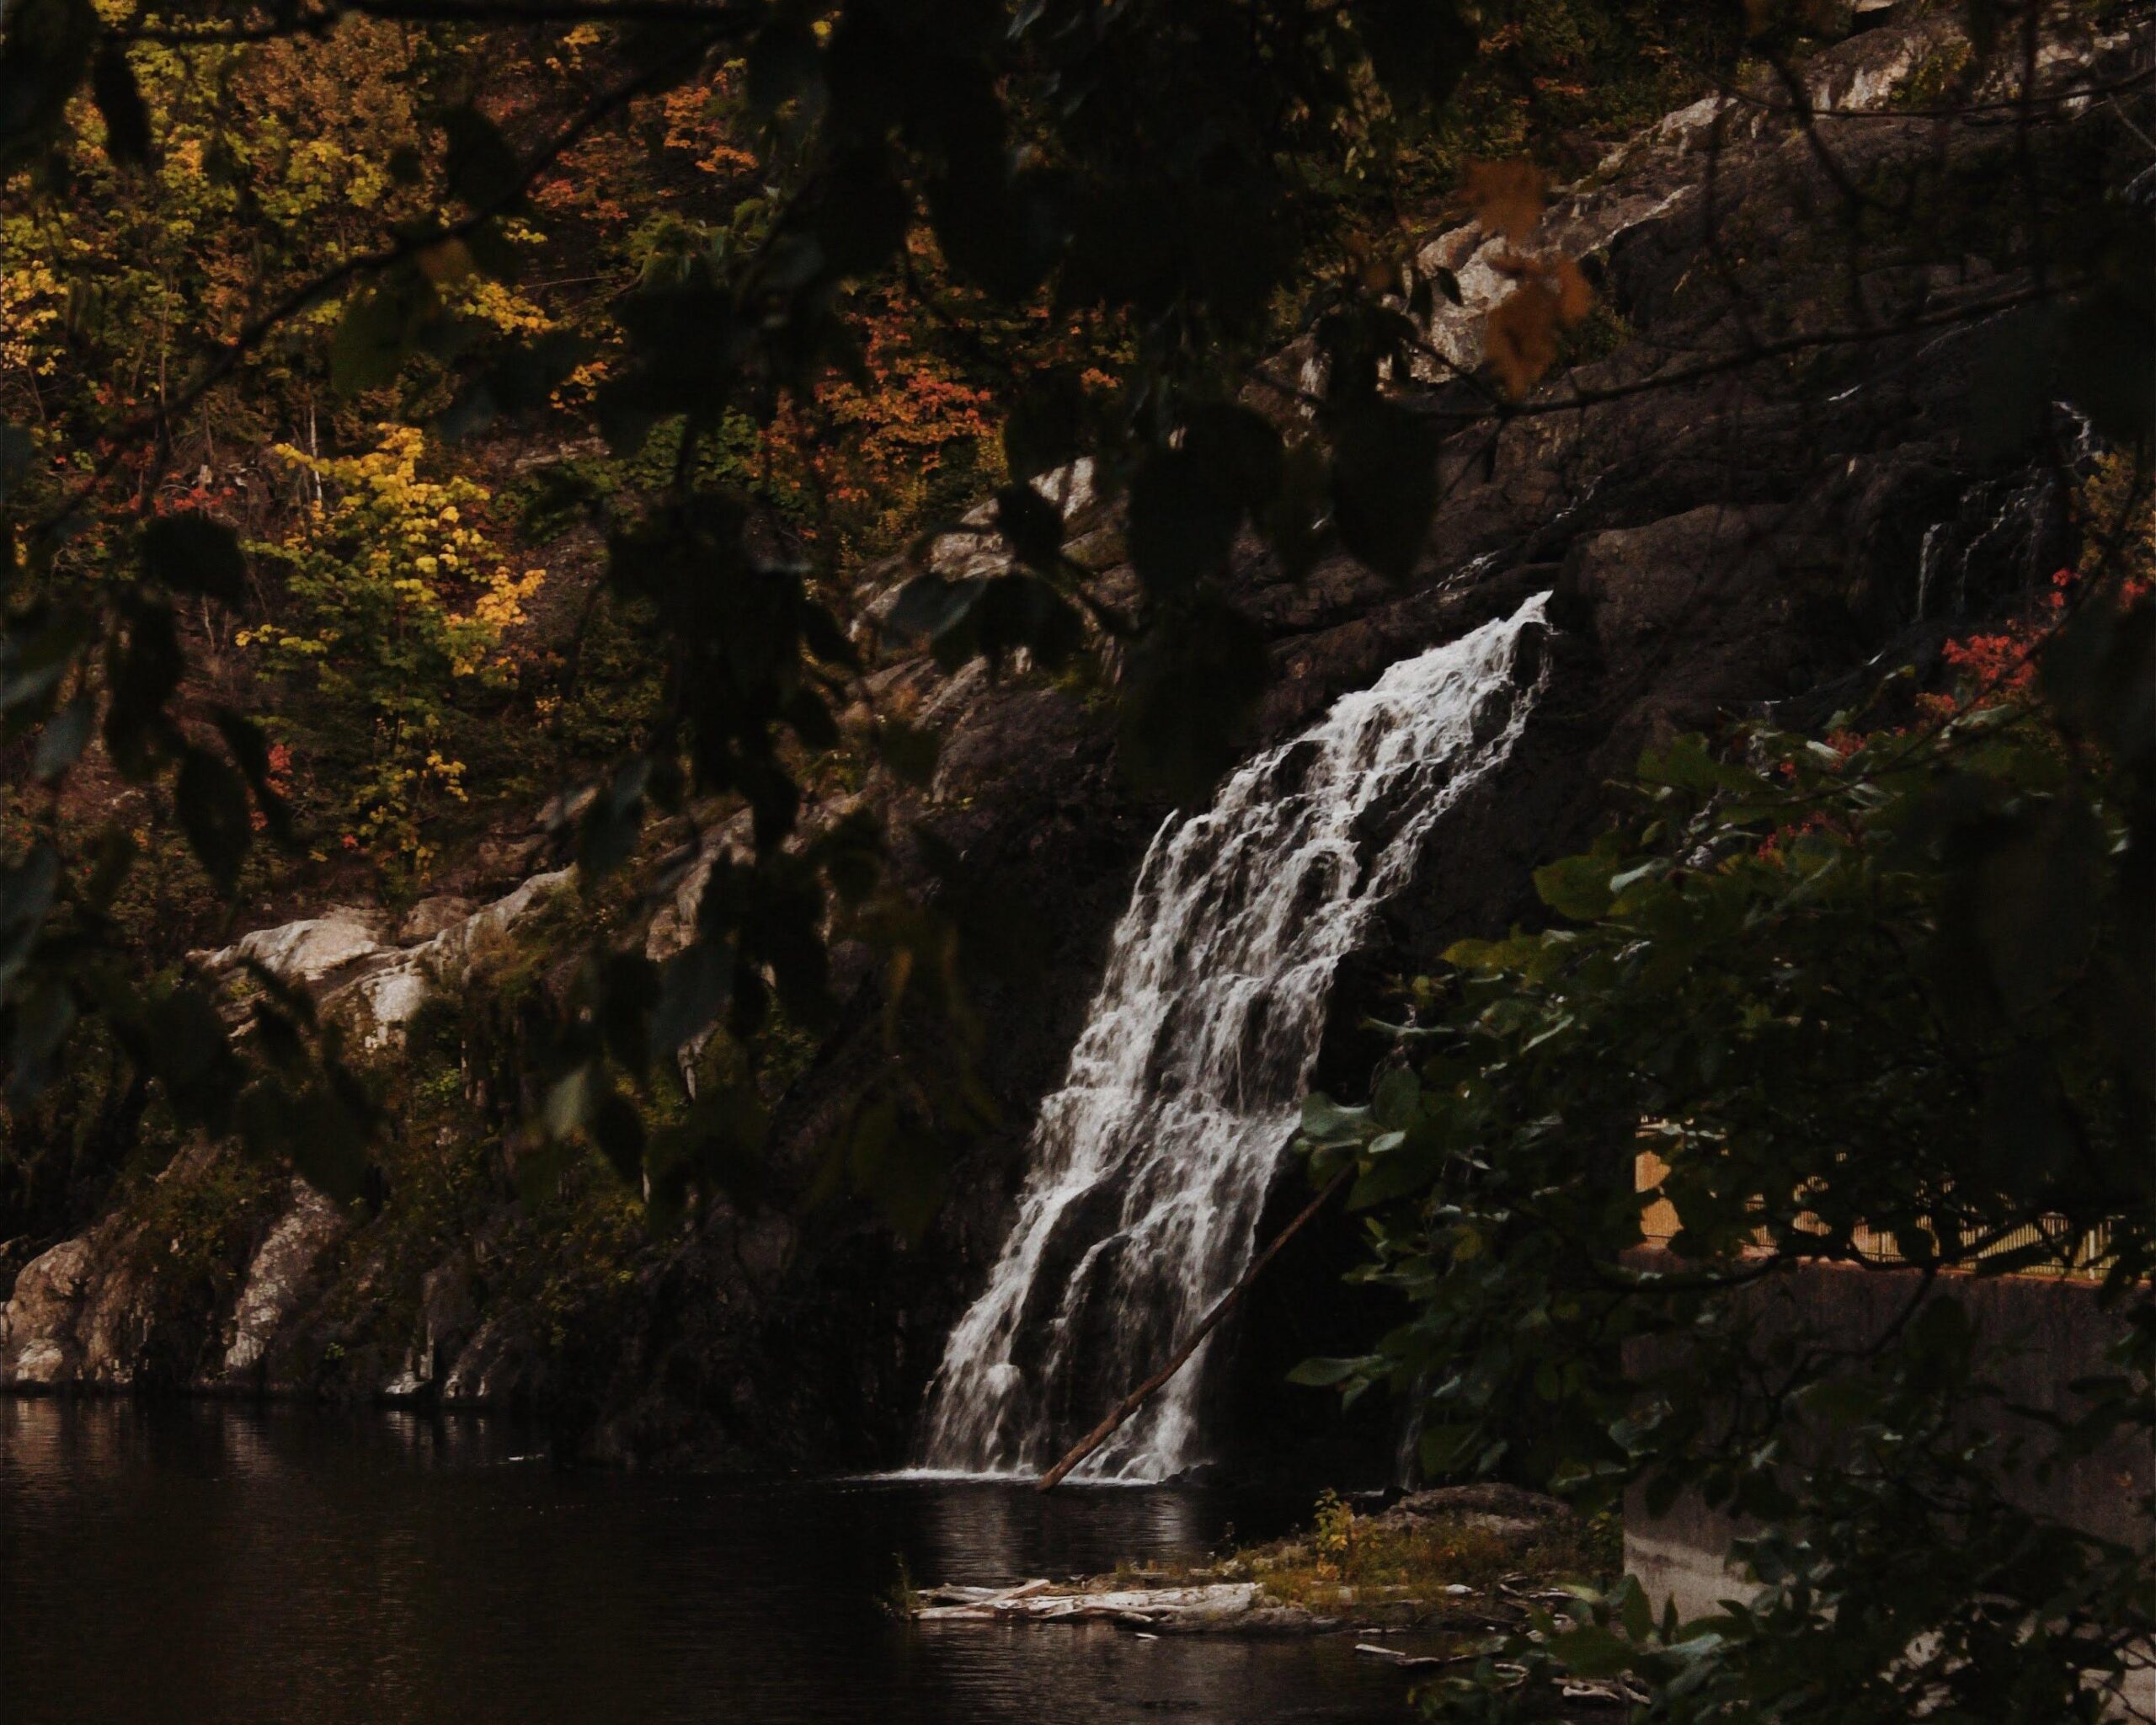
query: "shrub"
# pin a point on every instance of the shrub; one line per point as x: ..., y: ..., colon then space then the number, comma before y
x: 399, y: 607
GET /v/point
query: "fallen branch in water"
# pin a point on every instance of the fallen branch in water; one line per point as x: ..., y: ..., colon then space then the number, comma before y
x: 1419, y: 1662
x: 1136, y: 1399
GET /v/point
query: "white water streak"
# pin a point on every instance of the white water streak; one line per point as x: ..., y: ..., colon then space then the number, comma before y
x: 1151, y: 1165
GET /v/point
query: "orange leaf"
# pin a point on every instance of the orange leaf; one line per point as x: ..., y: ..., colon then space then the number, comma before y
x: 1521, y: 335
x: 1506, y: 197
x: 1575, y: 298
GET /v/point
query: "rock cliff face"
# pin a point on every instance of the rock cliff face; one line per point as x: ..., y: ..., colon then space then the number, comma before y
x: 1768, y: 483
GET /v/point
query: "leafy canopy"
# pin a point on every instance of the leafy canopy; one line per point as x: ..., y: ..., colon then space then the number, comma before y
x: 1177, y: 188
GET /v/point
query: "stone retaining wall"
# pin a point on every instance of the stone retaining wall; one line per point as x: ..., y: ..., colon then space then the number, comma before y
x: 2045, y: 1332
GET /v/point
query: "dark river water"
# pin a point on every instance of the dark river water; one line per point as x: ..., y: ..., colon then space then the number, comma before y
x: 235, y: 1565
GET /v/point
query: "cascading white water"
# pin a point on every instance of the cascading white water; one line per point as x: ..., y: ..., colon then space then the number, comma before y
x: 1151, y: 1165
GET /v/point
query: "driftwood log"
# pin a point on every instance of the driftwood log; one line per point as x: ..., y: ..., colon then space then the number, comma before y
x: 1136, y: 1399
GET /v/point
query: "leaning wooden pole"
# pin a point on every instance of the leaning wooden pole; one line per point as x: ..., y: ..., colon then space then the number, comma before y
x: 1136, y: 1399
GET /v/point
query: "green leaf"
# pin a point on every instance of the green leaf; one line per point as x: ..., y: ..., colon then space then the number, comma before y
x: 16, y: 450
x: 188, y: 553
x: 1444, y: 1448
x: 43, y: 1018
x: 1419, y: 49
x: 1042, y: 430
x: 2108, y: 369
x: 1324, y: 1121
x: 1408, y: 1167
x: 278, y: 1035
x: 1577, y: 887
x: 1022, y: 611
x: 569, y: 1103
x: 930, y: 605
x: 1690, y: 763
x: 988, y: 618
x: 625, y: 416
x: 897, y: 1166
x: 1486, y: 955
x: 616, y: 1128
x: 45, y: 49
x: 784, y: 62
x: 1183, y: 514
x: 1385, y: 490
x: 26, y: 890
x: 521, y: 381
x: 1190, y: 684
x: 862, y: 219
x: 910, y: 750
x: 1398, y: 1092
x: 211, y: 800
x: 112, y: 855
x: 34, y: 660
x: 119, y: 105
x: 1032, y: 524
x: 324, y: 1139
x: 2014, y: 380
x: 2038, y: 896
x: 380, y: 329
x: 606, y: 837
x: 250, y: 753
x: 61, y: 744
x: 625, y: 994
x: 695, y: 987
x: 1323, y: 1374
x: 1592, y: 1651
x: 482, y: 169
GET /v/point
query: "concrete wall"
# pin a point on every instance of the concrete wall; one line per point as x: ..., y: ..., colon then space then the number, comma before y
x: 2043, y: 1331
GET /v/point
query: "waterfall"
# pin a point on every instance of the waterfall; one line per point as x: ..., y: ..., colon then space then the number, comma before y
x: 1149, y: 1166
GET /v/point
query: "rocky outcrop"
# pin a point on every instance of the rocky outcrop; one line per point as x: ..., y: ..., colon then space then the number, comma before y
x: 1509, y: 1512
x: 279, y: 1276
x: 447, y: 1315
x: 128, y: 1305
x: 499, y: 1367
x: 58, y: 1329
x: 352, y: 963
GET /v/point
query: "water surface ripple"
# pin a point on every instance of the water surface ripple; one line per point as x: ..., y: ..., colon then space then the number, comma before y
x: 210, y: 1564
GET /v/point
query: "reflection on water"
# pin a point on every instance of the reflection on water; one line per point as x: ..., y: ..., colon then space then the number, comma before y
x: 234, y: 1566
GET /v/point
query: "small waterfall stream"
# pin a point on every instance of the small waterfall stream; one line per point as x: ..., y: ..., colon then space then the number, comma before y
x: 1151, y: 1165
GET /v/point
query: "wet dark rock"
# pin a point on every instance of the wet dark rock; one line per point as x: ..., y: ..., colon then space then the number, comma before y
x: 503, y: 1365
x: 446, y: 1318
x: 282, y: 1275
x: 1508, y: 1511
x: 430, y: 915
x: 77, y: 1317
